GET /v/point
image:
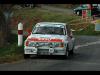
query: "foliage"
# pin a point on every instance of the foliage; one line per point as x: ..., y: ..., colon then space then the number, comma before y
x: 11, y: 52
x: 5, y: 16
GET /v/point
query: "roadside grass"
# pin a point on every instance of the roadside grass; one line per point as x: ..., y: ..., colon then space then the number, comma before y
x: 11, y: 52
x: 88, y: 31
x: 45, y: 15
x: 32, y: 16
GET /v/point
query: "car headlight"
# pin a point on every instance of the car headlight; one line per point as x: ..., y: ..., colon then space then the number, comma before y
x: 32, y: 44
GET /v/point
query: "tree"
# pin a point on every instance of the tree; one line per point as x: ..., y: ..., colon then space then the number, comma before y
x: 5, y: 17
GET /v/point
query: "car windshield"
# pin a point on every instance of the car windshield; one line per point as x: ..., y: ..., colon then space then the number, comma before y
x: 48, y: 30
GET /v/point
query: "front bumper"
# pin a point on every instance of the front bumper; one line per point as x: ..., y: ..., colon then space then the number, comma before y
x: 44, y: 51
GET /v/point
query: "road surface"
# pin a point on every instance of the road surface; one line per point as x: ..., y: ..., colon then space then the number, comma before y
x: 85, y: 58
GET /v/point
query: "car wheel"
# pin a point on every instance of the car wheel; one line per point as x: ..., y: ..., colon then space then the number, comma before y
x: 26, y: 56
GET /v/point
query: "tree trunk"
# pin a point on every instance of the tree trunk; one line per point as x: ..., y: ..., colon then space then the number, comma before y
x: 2, y: 29
x: 5, y: 31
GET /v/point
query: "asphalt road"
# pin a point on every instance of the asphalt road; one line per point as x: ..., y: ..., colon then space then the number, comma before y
x: 85, y: 58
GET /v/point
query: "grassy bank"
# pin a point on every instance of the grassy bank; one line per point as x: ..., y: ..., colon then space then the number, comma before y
x: 88, y: 31
x: 44, y: 15
x: 11, y: 52
x: 32, y: 16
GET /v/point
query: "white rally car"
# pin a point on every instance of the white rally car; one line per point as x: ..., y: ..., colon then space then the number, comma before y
x: 49, y: 38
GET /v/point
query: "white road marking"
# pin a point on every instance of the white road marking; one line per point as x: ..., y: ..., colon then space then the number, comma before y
x: 87, y: 44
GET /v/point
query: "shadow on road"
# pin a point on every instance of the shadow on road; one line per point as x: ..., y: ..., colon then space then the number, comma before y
x: 78, y: 56
x: 54, y: 57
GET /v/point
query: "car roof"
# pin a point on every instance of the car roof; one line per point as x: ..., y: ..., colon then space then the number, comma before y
x: 53, y: 24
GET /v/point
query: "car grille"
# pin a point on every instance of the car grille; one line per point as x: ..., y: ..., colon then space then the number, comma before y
x: 43, y: 51
x: 43, y: 44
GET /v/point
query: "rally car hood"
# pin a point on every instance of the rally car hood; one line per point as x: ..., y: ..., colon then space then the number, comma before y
x: 45, y: 36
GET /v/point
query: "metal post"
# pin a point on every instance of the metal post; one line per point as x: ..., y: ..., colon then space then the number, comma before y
x: 83, y: 14
x: 20, y: 34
